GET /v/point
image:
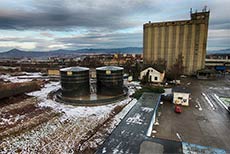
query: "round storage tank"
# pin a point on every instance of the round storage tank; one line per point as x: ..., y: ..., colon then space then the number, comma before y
x: 75, y: 81
x: 109, y: 80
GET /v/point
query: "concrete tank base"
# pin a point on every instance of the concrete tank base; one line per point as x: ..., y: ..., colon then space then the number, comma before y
x: 90, y: 99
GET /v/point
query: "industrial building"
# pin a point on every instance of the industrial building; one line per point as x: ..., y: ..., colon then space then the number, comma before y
x: 109, y: 80
x: 75, y: 81
x: 168, y: 41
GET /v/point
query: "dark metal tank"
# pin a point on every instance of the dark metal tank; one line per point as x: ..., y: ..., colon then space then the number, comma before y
x: 109, y: 80
x: 75, y: 81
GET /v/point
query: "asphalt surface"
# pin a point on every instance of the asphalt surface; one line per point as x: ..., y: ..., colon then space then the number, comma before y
x: 130, y: 136
x: 205, y: 122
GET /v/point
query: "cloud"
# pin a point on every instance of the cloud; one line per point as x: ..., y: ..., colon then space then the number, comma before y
x: 19, y: 45
x: 218, y: 39
x: 20, y: 39
x: 103, y: 40
x: 100, y: 23
x: 65, y: 14
x: 46, y: 34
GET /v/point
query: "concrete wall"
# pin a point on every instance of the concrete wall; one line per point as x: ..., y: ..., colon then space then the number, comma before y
x: 166, y: 40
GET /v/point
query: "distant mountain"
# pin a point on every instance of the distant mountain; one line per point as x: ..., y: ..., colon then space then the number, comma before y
x: 16, y: 53
x: 112, y: 50
x: 224, y: 51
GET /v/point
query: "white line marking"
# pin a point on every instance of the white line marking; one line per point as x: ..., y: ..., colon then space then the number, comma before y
x: 179, y: 137
x: 198, y: 103
x: 209, y: 102
x: 219, y: 100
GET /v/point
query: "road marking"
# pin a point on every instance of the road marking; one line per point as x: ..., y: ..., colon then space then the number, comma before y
x: 198, y: 103
x: 179, y: 137
x: 217, y: 97
x: 209, y: 102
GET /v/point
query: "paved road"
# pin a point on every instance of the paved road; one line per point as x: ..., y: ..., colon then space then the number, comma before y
x: 209, y: 126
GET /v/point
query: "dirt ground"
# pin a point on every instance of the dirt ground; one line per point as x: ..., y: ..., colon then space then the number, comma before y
x: 34, y: 123
x: 204, y: 122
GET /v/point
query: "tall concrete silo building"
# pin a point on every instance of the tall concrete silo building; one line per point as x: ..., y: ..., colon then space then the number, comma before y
x: 167, y: 40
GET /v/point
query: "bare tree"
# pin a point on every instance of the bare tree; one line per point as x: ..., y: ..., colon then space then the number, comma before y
x: 177, y: 68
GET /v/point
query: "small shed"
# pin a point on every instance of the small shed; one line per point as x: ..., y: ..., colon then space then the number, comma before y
x: 154, y: 75
x: 181, y: 96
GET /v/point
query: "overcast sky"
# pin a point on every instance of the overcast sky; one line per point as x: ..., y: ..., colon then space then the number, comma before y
x: 43, y: 25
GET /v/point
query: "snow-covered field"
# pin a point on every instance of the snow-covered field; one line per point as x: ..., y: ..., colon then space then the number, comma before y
x: 63, y: 132
x: 22, y: 78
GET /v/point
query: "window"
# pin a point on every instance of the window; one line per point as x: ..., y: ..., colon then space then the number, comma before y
x: 156, y: 78
x: 180, y: 98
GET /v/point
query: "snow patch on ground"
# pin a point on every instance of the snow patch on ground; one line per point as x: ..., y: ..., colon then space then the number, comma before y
x: 69, y: 110
x: 133, y: 86
x: 42, y: 94
x: 134, y: 83
x: 11, y: 120
x: 73, y: 111
x: 146, y: 109
x: 81, y: 111
x: 75, y: 120
x: 21, y: 78
x: 104, y: 150
x: 117, y: 118
x: 136, y: 119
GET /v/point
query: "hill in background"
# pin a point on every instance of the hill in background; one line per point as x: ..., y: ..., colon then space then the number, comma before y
x: 16, y: 53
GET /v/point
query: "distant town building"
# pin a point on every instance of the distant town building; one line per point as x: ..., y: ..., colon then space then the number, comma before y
x: 167, y: 40
x: 154, y: 76
x: 53, y: 72
x: 181, y: 96
x: 222, y: 65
